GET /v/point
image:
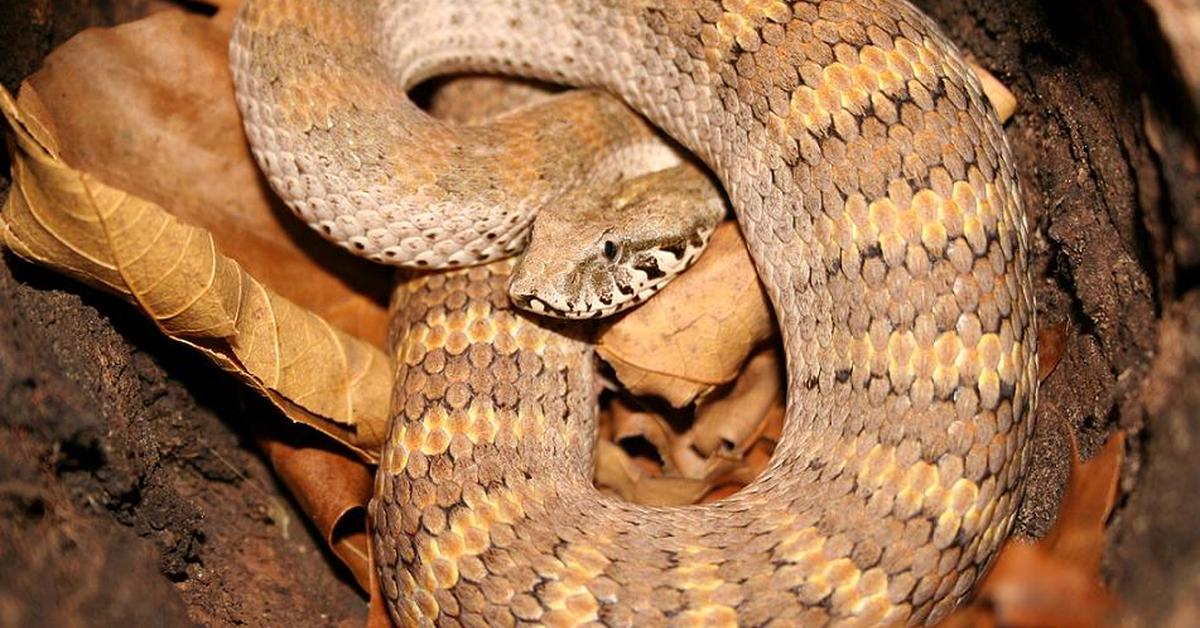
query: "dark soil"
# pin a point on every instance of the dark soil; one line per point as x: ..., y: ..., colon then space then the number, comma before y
x: 129, y: 493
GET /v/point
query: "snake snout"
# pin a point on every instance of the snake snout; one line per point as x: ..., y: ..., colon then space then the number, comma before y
x: 523, y: 293
x: 525, y: 301
x: 520, y: 289
x: 531, y: 297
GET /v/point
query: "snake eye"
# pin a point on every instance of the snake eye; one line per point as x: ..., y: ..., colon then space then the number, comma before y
x: 611, y: 250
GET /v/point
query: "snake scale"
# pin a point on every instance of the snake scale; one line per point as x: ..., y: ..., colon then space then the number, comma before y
x: 879, y: 201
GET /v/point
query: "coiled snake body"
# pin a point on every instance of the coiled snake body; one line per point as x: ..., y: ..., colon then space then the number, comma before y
x: 878, y: 199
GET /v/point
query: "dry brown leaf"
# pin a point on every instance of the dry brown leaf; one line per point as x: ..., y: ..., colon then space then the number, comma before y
x: 65, y: 218
x: 739, y: 467
x: 614, y: 469
x: 1056, y: 582
x: 627, y: 421
x: 333, y: 489
x: 157, y: 119
x: 696, y: 334
x: 1078, y: 534
x: 724, y: 447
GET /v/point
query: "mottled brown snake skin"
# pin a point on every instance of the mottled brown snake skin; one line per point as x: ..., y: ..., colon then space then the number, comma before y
x: 877, y: 196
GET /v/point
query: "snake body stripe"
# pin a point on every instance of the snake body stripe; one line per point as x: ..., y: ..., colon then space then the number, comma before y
x: 879, y: 201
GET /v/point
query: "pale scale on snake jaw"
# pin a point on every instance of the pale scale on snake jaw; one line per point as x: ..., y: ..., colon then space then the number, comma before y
x: 878, y: 198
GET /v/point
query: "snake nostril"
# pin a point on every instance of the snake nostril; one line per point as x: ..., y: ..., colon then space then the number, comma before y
x: 525, y: 297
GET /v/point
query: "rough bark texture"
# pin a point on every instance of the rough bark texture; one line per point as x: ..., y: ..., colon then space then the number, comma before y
x: 126, y: 492
x: 1107, y: 141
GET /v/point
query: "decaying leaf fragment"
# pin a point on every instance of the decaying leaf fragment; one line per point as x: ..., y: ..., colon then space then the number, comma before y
x: 729, y: 424
x: 68, y: 220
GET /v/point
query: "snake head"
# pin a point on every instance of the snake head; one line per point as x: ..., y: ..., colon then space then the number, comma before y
x: 599, y: 251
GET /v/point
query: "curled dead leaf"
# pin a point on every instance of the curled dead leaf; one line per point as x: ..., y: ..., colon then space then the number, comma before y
x: 67, y: 219
x: 719, y: 450
x: 162, y: 126
x: 332, y: 488
x: 728, y: 424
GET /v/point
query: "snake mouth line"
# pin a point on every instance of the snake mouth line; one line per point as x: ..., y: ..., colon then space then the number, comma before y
x: 645, y: 282
x: 539, y: 306
x: 589, y: 310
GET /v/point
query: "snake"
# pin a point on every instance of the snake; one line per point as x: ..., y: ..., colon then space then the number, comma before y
x: 879, y: 201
